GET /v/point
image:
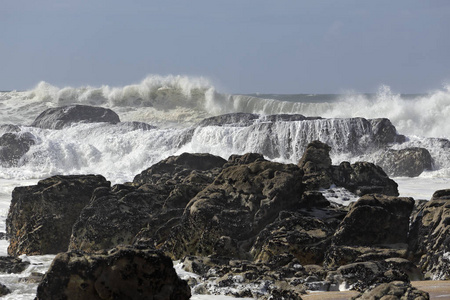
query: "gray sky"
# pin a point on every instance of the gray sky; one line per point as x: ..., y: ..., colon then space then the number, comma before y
x: 295, y: 46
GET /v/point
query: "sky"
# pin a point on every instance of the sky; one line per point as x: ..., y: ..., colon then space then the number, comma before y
x: 244, y: 46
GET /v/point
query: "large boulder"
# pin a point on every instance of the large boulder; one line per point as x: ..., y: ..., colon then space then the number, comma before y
x: 429, y: 239
x: 13, y: 146
x: 120, y: 273
x: 316, y: 165
x: 60, y: 117
x: 41, y: 216
x: 385, y: 133
x: 363, y: 178
x: 148, y: 208
x: 375, y: 220
x: 409, y: 162
x: 225, y: 217
x: 376, y: 227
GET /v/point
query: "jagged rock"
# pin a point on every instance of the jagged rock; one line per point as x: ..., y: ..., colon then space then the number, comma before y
x: 429, y: 238
x: 41, y: 216
x: 144, y: 212
x: 120, y: 273
x: 305, y: 238
x: 360, y: 178
x: 316, y: 165
x: 226, y: 216
x: 363, y: 178
x: 396, y: 290
x: 410, y: 162
x: 374, y: 220
x: 13, y: 146
x: 385, y: 133
x: 60, y: 117
x: 10, y: 264
x: 4, y: 290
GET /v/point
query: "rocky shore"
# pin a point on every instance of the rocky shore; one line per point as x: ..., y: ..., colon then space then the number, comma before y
x: 245, y: 226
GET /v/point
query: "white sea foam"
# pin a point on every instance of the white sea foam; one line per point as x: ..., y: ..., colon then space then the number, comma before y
x: 175, y: 103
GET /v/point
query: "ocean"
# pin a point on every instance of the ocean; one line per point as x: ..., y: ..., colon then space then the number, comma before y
x: 175, y: 104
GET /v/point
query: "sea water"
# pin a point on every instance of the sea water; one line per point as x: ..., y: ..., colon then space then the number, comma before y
x: 175, y: 104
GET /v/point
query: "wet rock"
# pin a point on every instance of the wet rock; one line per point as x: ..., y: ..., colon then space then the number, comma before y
x: 363, y: 178
x: 374, y: 220
x: 145, y: 211
x: 120, y: 273
x: 41, y: 216
x: 385, y: 133
x: 429, y: 238
x: 60, y: 117
x: 316, y: 165
x: 13, y: 146
x: 225, y: 217
x: 243, y: 278
x: 305, y: 238
x: 14, y: 265
x: 4, y: 290
x: 395, y: 290
x: 360, y: 178
x: 410, y: 162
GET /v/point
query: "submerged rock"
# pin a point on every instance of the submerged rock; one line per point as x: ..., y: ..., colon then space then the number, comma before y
x: 120, y: 273
x: 410, y: 162
x: 10, y: 264
x: 60, y: 117
x: 13, y: 146
x: 41, y: 216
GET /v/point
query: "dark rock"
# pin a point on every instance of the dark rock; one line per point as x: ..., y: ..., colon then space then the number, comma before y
x: 4, y: 290
x: 429, y: 238
x: 14, y: 265
x: 316, y: 165
x: 374, y: 220
x: 60, y: 117
x: 410, y: 162
x: 13, y: 146
x: 226, y: 216
x: 236, y: 119
x: 286, y: 118
x: 385, y: 133
x: 395, y: 290
x: 360, y: 178
x: 363, y: 178
x: 41, y: 216
x: 305, y: 238
x: 144, y: 212
x: 120, y: 273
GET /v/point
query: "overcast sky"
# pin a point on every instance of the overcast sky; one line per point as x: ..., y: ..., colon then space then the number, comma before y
x: 242, y: 46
